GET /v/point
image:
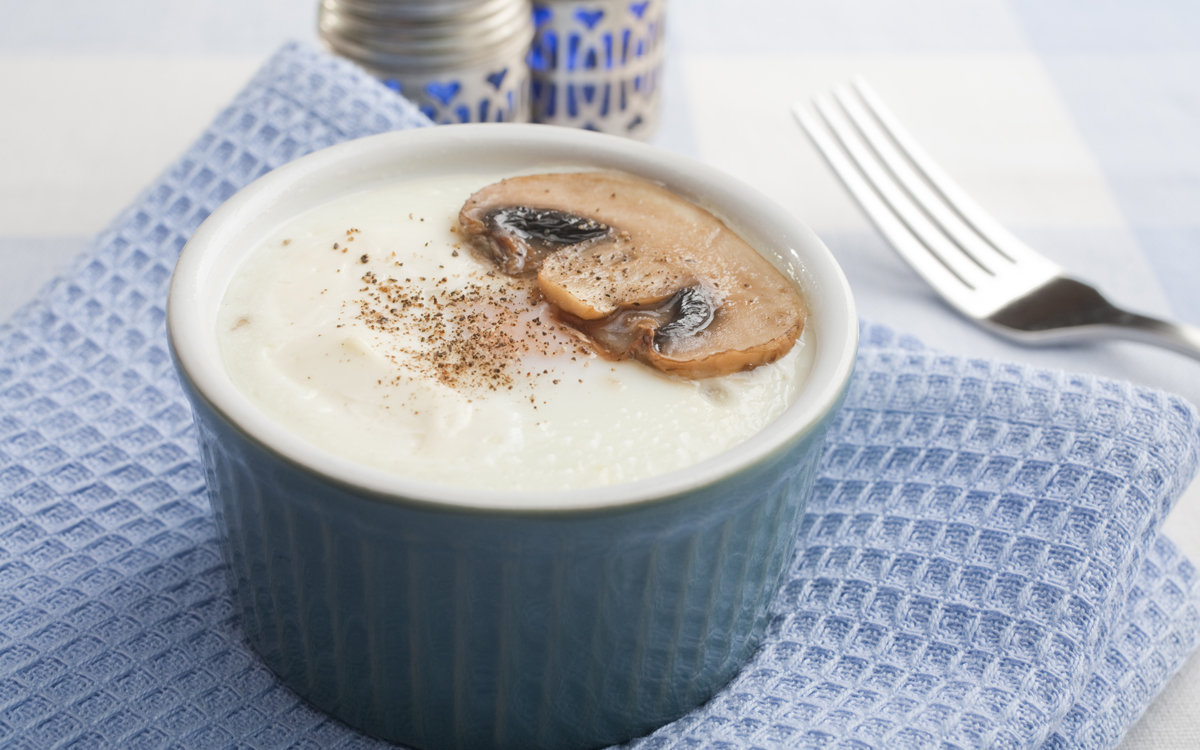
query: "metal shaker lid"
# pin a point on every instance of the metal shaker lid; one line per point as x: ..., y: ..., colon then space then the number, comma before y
x: 423, y: 11
x: 387, y: 40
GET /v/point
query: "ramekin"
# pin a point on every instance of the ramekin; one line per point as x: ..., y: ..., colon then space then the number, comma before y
x: 442, y: 617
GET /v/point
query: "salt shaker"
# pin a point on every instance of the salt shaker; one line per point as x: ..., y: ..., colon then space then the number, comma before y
x: 597, y: 64
x: 457, y: 60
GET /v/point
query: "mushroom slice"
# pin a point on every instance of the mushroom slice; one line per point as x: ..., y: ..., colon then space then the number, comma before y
x: 638, y: 271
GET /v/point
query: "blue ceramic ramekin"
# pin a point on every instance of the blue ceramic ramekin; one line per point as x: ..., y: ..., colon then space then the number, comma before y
x: 442, y: 617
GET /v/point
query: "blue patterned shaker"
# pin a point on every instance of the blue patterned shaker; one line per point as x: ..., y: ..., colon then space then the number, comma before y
x: 597, y: 64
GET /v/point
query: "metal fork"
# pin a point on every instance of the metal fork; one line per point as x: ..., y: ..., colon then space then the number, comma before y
x: 976, y: 265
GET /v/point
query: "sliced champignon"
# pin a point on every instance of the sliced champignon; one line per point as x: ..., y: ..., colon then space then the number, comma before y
x: 638, y: 271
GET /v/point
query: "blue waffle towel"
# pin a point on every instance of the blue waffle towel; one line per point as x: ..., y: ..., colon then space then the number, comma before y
x: 980, y: 567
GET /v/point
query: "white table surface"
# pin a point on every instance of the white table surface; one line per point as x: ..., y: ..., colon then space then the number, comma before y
x: 1074, y: 122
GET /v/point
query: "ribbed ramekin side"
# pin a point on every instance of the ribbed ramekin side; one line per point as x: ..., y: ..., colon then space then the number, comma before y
x: 658, y: 622
x: 462, y: 630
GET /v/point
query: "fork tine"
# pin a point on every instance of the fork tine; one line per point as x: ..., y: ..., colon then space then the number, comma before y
x: 910, y: 248
x: 955, y: 197
x: 932, y: 203
x: 929, y: 238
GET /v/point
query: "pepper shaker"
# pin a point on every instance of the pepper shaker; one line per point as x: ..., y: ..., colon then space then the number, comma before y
x: 457, y: 60
x: 597, y: 64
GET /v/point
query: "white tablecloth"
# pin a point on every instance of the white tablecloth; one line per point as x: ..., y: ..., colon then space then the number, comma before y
x: 1074, y: 122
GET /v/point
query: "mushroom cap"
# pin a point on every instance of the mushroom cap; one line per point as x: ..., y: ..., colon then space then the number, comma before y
x: 621, y: 290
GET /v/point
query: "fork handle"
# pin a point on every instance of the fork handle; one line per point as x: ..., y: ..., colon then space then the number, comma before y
x: 1178, y: 337
x: 1066, y: 309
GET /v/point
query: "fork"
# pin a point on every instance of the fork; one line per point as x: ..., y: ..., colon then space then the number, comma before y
x: 976, y: 265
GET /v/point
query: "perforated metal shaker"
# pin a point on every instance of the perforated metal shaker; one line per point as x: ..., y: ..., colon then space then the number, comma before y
x: 597, y: 64
x: 458, y: 60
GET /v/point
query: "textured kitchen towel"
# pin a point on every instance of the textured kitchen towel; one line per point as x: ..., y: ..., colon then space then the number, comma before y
x: 980, y: 566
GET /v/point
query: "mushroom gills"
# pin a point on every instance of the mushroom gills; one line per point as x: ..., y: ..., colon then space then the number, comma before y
x: 619, y: 334
x: 693, y: 311
x: 522, y: 236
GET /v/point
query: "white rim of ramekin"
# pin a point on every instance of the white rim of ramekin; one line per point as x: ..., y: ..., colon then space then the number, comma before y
x: 191, y: 308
